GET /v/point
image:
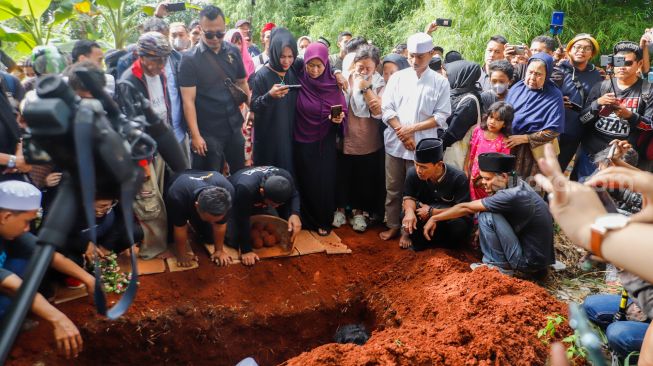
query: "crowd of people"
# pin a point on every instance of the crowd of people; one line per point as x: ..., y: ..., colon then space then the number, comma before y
x: 441, y: 150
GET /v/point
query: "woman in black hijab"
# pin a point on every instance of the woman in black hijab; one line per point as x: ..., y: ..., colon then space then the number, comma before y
x: 273, y: 103
x: 465, y: 109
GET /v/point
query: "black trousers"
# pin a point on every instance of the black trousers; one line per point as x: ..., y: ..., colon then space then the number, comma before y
x: 568, y: 147
x: 315, y: 169
x: 449, y: 234
x: 361, y: 182
x: 221, y: 148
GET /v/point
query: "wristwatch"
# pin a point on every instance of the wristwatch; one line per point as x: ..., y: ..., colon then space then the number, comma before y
x: 366, y: 89
x: 602, y: 226
x: 11, y: 164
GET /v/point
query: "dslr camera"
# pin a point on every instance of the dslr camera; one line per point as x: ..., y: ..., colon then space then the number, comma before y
x: 613, y: 60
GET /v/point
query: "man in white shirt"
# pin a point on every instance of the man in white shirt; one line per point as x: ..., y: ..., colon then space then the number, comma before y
x: 415, y: 103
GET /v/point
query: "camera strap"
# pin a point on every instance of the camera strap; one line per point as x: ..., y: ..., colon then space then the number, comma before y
x: 84, y: 136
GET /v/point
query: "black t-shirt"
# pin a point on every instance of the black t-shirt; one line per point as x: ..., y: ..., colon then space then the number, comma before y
x: 247, y: 184
x: 602, y: 125
x: 183, y: 192
x: 216, y: 112
x: 20, y: 248
x: 452, y: 189
x: 529, y: 217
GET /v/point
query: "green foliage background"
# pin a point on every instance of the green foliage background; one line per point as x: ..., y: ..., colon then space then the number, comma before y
x: 387, y: 23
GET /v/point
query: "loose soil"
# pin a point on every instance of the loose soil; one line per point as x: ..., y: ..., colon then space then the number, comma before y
x: 424, y: 308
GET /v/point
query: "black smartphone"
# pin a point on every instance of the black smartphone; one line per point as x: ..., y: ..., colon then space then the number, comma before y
x: 336, y: 110
x: 175, y: 7
x: 576, y: 107
x: 297, y: 86
x: 440, y: 22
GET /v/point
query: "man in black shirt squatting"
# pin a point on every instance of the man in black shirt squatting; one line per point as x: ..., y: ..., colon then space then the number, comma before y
x: 201, y: 199
x: 515, y: 225
x: 431, y: 185
x: 259, y: 190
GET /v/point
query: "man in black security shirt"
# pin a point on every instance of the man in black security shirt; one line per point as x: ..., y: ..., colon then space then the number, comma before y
x: 432, y: 185
x: 515, y: 225
x: 201, y: 199
x: 625, y: 115
x: 258, y: 189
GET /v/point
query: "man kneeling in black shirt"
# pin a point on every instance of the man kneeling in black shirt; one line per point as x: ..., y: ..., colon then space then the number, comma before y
x: 201, y: 199
x: 258, y: 190
x: 431, y: 185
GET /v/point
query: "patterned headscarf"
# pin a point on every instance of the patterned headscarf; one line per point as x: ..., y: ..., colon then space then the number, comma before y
x: 153, y: 44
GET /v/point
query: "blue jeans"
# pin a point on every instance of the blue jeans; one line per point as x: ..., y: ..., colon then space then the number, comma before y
x: 624, y: 337
x: 499, y: 244
x: 17, y: 266
x: 584, y: 165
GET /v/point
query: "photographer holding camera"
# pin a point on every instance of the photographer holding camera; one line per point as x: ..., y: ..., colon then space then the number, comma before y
x: 618, y: 108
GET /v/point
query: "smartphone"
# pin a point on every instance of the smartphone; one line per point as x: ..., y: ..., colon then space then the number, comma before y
x: 175, y: 7
x: 336, y: 110
x: 613, y: 149
x: 298, y: 86
x: 519, y: 49
x: 440, y: 22
x: 557, y: 22
x: 576, y: 107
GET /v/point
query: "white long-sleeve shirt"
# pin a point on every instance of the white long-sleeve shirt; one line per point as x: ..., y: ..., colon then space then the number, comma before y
x: 412, y: 100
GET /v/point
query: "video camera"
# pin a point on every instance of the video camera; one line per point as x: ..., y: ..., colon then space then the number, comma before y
x: 613, y: 60
x: 99, y: 150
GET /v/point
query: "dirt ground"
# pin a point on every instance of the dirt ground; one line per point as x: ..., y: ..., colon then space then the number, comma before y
x: 424, y: 308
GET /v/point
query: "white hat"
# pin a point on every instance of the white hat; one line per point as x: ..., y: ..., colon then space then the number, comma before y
x: 19, y: 196
x: 420, y: 43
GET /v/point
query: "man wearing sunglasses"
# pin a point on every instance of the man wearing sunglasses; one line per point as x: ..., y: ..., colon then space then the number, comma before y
x: 621, y: 109
x: 214, y: 120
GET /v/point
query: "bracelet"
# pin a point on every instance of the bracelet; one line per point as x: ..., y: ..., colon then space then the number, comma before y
x: 12, y: 162
x: 430, y: 211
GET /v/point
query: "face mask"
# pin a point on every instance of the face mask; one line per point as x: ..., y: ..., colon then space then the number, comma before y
x: 499, y: 88
x: 180, y: 44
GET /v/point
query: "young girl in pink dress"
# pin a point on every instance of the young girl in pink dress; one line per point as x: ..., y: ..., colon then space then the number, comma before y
x: 490, y: 136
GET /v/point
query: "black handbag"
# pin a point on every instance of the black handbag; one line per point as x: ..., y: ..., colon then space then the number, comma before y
x: 237, y: 94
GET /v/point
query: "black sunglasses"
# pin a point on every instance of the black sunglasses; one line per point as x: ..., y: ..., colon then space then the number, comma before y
x: 211, y: 35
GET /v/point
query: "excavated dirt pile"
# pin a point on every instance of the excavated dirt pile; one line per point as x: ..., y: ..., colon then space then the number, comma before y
x: 424, y: 308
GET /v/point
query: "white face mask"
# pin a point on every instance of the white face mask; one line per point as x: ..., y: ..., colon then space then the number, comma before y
x: 499, y: 88
x: 180, y: 44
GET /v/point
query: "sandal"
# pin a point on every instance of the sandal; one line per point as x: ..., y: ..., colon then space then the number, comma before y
x: 339, y: 219
x: 358, y: 223
x: 323, y: 232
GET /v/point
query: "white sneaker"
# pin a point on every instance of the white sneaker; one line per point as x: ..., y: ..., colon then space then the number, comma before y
x: 358, y: 223
x: 339, y: 219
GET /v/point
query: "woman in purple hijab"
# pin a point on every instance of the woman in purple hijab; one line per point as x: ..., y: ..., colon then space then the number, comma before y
x: 315, y: 138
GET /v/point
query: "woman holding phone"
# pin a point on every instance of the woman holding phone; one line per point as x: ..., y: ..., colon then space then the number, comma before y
x: 320, y: 116
x: 273, y: 103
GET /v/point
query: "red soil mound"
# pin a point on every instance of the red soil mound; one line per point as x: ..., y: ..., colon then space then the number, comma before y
x: 424, y: 308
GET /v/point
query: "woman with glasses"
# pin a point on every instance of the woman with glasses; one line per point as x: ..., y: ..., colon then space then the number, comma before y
x: 320, y: 113
x: 539, y: 114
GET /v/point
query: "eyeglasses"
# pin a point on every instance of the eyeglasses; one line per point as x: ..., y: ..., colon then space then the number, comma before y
x: 583, y: 48
x: 211, y: 35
